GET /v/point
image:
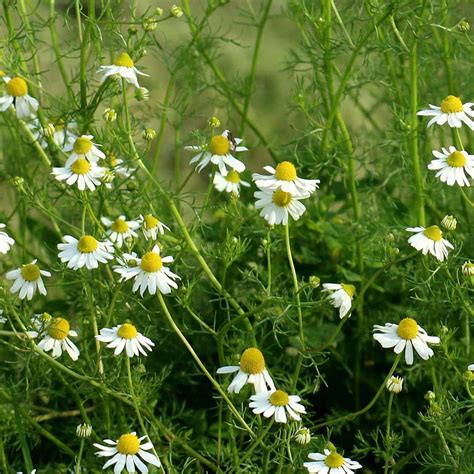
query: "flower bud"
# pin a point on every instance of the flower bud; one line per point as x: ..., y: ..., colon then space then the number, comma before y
x: 108, y: 177
x: 110, y: 115
x: 132, y: 30
x: 430, y: 396
x: 176, y: 11
x: 390, y: 237
x: 314, y: 281
x: 464, y: 26
x: 132, y: 186
x: 142, y: 93
x: 48, y: 130
x: 142, y: 53
x: 469, y: 376
x: 158, y: 11
x: 141, y: 369
x: 291, y: 351
x: 149, y: 134
x: 395, y: 384
x: 83, y: 430
x: 303, y: 436
x: 19, y: 183
x: 449, y: 222
x: 468, y: 268
x: 150, y: 24
x: 214, y: 122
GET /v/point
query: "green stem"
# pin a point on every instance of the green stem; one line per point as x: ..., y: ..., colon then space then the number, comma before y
x: 257, y: 441
x: 79, y: 457
x: 387, y: 432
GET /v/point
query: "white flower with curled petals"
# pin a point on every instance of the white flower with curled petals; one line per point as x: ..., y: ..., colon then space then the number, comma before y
x: 430, y: 240
x: 341, y: 295
x: 124, y: 67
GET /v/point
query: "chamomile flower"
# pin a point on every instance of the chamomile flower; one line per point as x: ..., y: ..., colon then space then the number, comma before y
x: 394, y: 384
x: 82, y: 172
x: 303, y: 435
x: 470, y: 367
x: 430, y: 240
x: 277, y: 205
x: 230, y: 183
x: 124, y: 67
x: 125, y: 336
x: 83, y: 147
x: 5, y: 241
x: 219, y: 152
x: 128, y: 453
x: 120, y: 169
x: 284, y: 177
x: 16, y: 93
x: 251, y: 369
x: 120, y: 229
x: 28, y: 280
x: 63, y: 134
x: 405, y: 336
x: 86, y: 251
x: 149, y: 273
x: 452, y: 166
x: 452, y: 111
x: 151, y: 226
x: 341, y: 296
x: 277, y: 403
x: 331, y: 462
x: 56, y: 339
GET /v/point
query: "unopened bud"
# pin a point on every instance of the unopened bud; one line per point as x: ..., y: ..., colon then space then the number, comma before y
x: 314, y: 281
x: 430, y: 396
x: 449, y: 222
x: 49, y: 130
x: 108, y: 177
x: 142, y: 93
x: 394, y: 384
x: 464, y: 26
x: 149, y: 134
x: 83, y: 430
x: 303, y: 436
x: 132, y: 30
x: 110, y: 115
x: 19, y: 183
x: 176, y: 11
x: 142, y: 53
x: 150, y: 24
x: 468, y: 268
x: 158, y: 11
x: 132, y: 186
x: 469, y: 375
x: 214, y: 122
x: 390, y: 237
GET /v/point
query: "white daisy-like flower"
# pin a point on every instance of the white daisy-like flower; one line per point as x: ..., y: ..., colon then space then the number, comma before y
x: 128, y: 453
x: 405, y: 336
x: 430, y: 240
x: 56, y: 338
x: 331, y: 462
x: 284, y: 177
x: 125, y: 336
x: 277, y: 403
x: 470, y: 367
x: 151, y: 226
x: 219, y: 152
x: 341, y: 296
x: 5, y: 241
x: 16, y: 93
x: 230, y: 183
x: 394, y: 384
x: 124, y: 67
x: 303, y: 435
x: 81, y: 171
x: 83, y: 147
x: 86, y: 251
x: 149, y: 273
x: 277, y: 205
x: 251, y: 369
x: 452, y: 166
x: 452, y: 111
x: 120, y: 169
x: 28, y: 280
x: 63, y: 134
x: 120, y: 229
x: 83, y: 430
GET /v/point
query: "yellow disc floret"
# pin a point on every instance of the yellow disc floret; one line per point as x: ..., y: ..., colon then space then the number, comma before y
x: 128, y: 444
x: 219, y: 145
x: 17, y: 87
x: 82, y: 145
x: 127, y: 331
x: 285, y: 171
x: 451, y: 105
x: 280, y: 198
x: 252, y: 361
x: 407, y: 329
x: 279, y: 398
x: 433, y: 233
x: 457, y: 159
x: 150, y: 222
x: 58, y: 329
x: 30, y: 272
x: 81, y: 166
x: 334, y: 460
x: 123, y: 60
x: 87, y: 244
x: 233, y: 177
x: 119, y: 226
x: 349, y: 289
x: 151, y: 262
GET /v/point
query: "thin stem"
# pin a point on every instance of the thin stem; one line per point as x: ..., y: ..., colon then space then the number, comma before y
x: 257, y: 441
x: 387, y: 432
x: 269, y: 262
x: 79, y: 457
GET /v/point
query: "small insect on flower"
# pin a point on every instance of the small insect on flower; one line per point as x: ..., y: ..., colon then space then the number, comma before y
x: 16, y: 93
x: 451, y: 111
x: 430, y: 240
x: 277, y: 403
x: 404, y: 337
x: 86, y: 251
x: 452, y: 166
x: 277, y: 205
x: 128, y: 453
x: 149, y: 273
x: 219, y: 152
x: 28, y: 280
x: 81, y: 171
x: 395, y: 384
x: 6, y: 241
x: 151, y: 226
x: 331, y: 462
x: 56, y: 338
x: 125, y: 336
x: 341, y: 296
x: 230, y: 183
x: 83, y: 147
x: 124, y: 67
x: 251, y: 369
x: 120, y: 229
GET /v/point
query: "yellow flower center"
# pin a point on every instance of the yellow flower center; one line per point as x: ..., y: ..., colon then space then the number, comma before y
x: 2, y: 73
x: 120, y: 226
x: 334, y: 460
x: 59, y: 329
x: 87, y: 244
x: 280, y: 198
x: 30, y: 272
x: 233, y: 177
x: 150, y: 222
x: 151, y: 262
x: 456, y: 159
x: 123, y: 60
x: 279, y: 398
x: 81, y: 166
x: 349, y: 289
x: 434, y: 233
x: 127, y: 331
x: 285, y: 171
x: 58, y: 123
x: 407, y: 329
x: 82, y: 145
x: 451, y: 105
x: 252, y: 361
x: 128, y: 444
x: 17, y: 87
x: 219, y: 145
